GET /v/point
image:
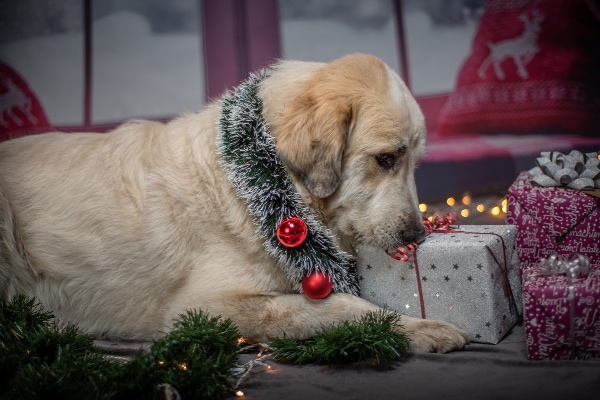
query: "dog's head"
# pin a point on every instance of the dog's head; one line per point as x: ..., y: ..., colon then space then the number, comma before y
x: 351, y: 135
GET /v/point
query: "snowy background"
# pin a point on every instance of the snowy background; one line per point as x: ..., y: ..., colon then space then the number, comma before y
x: 147, y: 56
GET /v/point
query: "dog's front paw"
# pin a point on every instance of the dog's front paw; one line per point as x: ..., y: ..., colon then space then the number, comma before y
x: 429, y: 336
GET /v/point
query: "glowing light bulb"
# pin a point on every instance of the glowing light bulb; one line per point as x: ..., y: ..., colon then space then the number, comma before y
x: 450, y: 201
x: 161, y: 363
x: 496, y: 211
x: 464, y: 212
x: 241, y: 340
x: 239, y: 393
x: 480, y: 207
x: 183, y: 366
x: 504, y: 202
x: 504, y: 209
x: 466, y: 200
x: 422, y: 207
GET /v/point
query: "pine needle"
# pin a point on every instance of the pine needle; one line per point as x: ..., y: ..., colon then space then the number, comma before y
x: 372, y: 338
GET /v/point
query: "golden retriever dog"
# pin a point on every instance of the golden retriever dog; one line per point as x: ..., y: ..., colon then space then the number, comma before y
x: 120, y: 233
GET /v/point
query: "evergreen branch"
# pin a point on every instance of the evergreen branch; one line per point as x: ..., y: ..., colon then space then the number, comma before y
x: 40, y: 360
x: 372, y: 338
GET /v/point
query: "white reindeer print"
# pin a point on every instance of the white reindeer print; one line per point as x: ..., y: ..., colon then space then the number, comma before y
x: 11, y: 99
x: 521, y: 48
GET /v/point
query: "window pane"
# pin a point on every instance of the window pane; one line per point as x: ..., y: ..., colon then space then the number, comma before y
x: 316, y: 30
x: 438, y: 39
x: 43, y: 42
x: 146, y: 59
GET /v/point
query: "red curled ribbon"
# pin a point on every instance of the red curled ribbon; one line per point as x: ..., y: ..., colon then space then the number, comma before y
x: 404, y: 253
x: 443, y: 223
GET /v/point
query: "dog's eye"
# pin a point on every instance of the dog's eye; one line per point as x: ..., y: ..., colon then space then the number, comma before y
x: 386, y: 160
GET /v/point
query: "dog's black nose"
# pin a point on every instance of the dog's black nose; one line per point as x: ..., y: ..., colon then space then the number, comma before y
x: 421, y: 237
x: 414, y: 235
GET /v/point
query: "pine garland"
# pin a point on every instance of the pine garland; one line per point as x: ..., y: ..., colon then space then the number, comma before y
x: 197, y: 359
x: 372, y: 338
x: 248, y: 154
x: 39, y: 360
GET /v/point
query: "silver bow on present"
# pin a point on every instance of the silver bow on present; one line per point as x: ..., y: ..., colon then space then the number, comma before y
x: 574, y: 266
x: 575, y: 170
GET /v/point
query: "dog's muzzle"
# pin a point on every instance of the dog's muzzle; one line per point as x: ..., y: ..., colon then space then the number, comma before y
x: 414, y: 235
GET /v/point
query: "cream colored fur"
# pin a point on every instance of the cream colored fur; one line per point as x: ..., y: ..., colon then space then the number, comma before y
x: 121, y: 232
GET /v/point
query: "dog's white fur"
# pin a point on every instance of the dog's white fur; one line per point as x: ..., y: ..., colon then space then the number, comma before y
x: 121, y: 232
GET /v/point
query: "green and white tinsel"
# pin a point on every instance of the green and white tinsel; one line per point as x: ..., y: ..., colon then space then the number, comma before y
x: 248, y: 154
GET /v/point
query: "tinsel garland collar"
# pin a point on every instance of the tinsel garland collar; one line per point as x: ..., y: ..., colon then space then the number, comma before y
x: 247, y: 151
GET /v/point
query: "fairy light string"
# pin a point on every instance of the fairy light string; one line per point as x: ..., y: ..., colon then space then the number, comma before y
x: 468, y: 206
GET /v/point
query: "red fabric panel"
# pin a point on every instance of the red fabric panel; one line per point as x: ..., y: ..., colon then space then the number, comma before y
x: 21, y: 113
x: 533, y: 68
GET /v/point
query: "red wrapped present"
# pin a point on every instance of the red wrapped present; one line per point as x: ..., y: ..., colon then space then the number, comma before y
x: 553, y: 220
x: 562, y: 313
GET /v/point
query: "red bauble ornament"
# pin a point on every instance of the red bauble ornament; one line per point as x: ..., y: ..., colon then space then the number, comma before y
x: 292, y: 232
x: 317, y: 285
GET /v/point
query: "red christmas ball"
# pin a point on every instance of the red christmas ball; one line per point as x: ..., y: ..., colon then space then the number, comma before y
x: 317, y: 285
x: 292, y: 232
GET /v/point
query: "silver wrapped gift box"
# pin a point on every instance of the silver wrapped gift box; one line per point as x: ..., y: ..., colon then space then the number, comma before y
x: 467, y: 276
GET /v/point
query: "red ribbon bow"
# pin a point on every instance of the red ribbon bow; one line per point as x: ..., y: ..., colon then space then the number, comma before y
x: 441, y: 224
x: 404, y: 253
x: 445, y: 222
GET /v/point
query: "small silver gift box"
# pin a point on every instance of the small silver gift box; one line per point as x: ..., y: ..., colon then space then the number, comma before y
x: 467, y: 276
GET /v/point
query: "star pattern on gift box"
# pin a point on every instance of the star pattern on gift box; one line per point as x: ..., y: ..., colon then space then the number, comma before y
x: 369, y: 266
x: 361, y: 278
x: 454, y: 284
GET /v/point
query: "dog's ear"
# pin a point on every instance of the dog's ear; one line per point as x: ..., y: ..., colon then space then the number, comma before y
x: 312, y: 139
